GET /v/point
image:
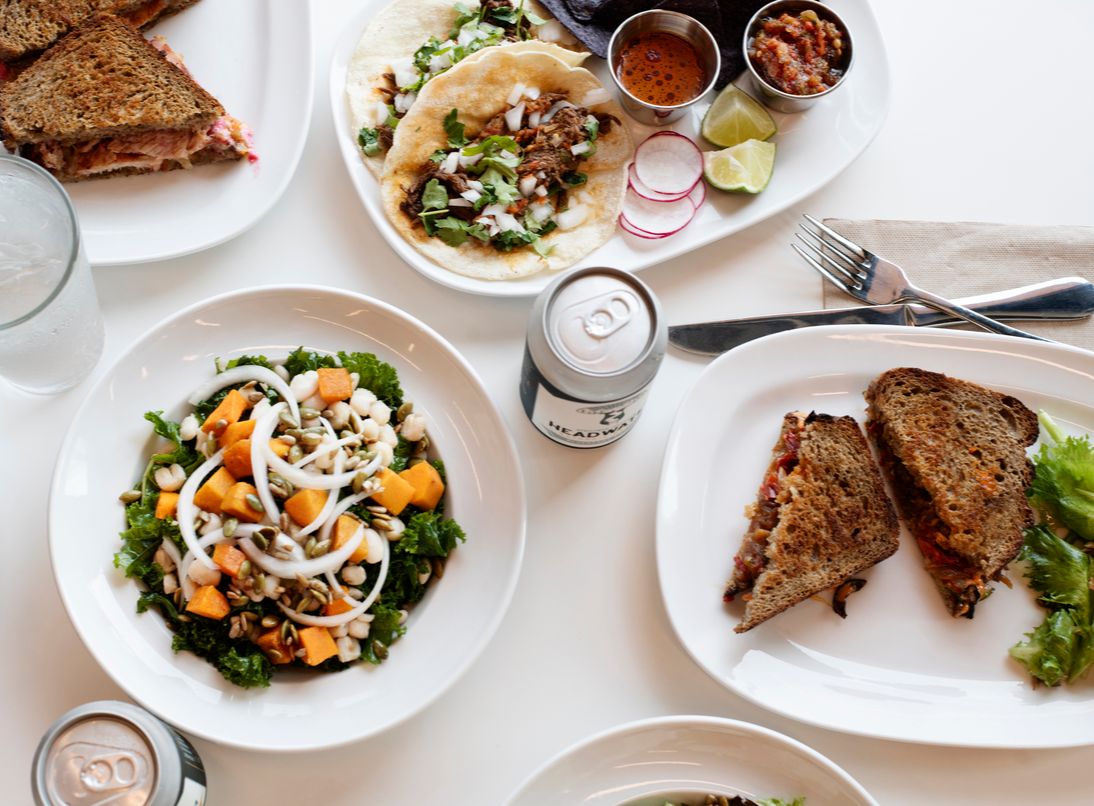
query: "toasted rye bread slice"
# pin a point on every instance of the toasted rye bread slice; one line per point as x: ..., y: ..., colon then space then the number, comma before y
x: 103, y: 79
x: 27, y: 27
x: 956, y: 455
x: 834, y: 519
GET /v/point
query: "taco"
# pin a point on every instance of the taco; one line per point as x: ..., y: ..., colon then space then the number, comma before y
x: 412, y: 41
x: 507, y: 165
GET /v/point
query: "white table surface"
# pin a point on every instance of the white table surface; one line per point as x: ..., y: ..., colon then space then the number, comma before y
x: 977, y: 131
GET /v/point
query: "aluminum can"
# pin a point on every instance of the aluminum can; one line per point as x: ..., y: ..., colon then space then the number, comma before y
x: 595, y: 340
x: 115, y: 753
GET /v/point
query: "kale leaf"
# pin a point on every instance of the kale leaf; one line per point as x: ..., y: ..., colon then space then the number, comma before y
x: 249, y: 361
x: 385, y: 628
x: 301, y: 360
x: 379, y: 377
x: 430, y: 535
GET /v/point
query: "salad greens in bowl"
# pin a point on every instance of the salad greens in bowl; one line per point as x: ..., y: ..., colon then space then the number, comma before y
x: 349, y: 568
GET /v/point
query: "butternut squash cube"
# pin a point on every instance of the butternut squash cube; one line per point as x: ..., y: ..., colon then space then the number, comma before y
x: 209, y: 602
x: 337, y: 607
x: 318, y: 645
x: 395, y: 493
x: 210, y: 495
x: 305, y: 506
x: 344, y: 529
x: 166, y: 505
x: 237, y: 431
x: 238, y: 458
x: 228, y: 559
x: 235, y: 503
x: 231, y: 408
x: 428, y: 487
x: 274, y: 647
x: 334, y: 384
x: 279, y: 448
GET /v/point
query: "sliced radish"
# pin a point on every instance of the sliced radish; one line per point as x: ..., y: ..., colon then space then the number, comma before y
x: 668, y: 163
x: 657, y: 218
x: 633, y: 230
x: 698, y: 194
x: 647, y: 192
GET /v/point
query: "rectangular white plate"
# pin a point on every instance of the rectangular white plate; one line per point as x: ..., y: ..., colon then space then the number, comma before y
x: 899, y: 666
x: 813, y: 147
x: 255, y: 57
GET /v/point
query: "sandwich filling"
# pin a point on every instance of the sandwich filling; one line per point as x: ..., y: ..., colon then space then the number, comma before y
x: 751, y: 559
x: 963, y: 580
x: 515, y: 181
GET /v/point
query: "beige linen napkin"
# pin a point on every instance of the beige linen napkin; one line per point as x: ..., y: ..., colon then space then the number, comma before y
x: 962, y: 259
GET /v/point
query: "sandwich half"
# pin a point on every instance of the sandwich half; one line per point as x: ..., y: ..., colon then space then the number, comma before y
x: 105, y: 101
x: 955, y: 454
x: 820, y: 517
x: 27, y: 27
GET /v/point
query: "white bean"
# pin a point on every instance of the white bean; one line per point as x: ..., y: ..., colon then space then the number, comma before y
x: 170, y: 583
x: 380, y: 412
x: 395, y: 528
x: 314, y: 402
x: 212, y: 524
x: 385, y: 452
x: 413, y: 427
x: 353, y: 575
x: 341, y: 631
x: 348, y: 649
x: 163, y: 560
x: 169, y: 479
x: 269, y: 587
x: 388, y: 435
x: 304, y: 385
x: 359, y: 629
x: 202, y: 575
x: 339, y: 415
x: 370, y: 430
x: 188, y: 428
x: 361, y: 401
x: 375, y: 546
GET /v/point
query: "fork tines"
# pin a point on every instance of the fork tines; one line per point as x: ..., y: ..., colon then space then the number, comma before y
x: 828, y: 249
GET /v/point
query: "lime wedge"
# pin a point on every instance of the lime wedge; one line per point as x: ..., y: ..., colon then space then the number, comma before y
x: 744, y: 168
x: 735, y: 117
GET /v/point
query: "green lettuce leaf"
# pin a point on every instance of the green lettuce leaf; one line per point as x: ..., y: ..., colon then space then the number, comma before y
x: 1063, y: 482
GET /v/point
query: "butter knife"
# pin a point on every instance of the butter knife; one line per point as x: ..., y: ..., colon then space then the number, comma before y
x: 1067, y: 298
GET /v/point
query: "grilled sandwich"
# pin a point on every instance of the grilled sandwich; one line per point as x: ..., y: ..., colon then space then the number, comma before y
x: 820, y: 517
x: 28, y: 27
x: 955, y: 454
x: 105, y: 101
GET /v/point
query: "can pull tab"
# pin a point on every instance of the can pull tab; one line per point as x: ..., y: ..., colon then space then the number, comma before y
x: 614, y: 311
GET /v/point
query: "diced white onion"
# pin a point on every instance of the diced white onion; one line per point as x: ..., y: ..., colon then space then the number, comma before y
x: 534, y: 119
x: 493, y: 209
x: 570, y: 218
x: 185, y: 511
x: 459, y: 203
x: 475, y: 184
x: 248, y: 372
x: 577, y: 149
x: 466, y: 160
x: 540, y: 211
x: 550, y: 113
x: 515, y: 93
x: 531, y: 93
x: 514, y: 117
x: 376, y: 113
x: 527, y: 185
x: 439, y: 62
x: 404, y: 102
x: 466, y: 37
x: 553, y: 31
x: 508, y: 223
x: 594, y: 97
x: 541, y: 191
x: 451, y: 163
x: 406, y: 74
x: 471, y: 195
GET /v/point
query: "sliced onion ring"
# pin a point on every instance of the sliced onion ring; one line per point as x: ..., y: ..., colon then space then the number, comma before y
x: 247, y: 372
x: 349, y: 615
x: 288, y: 569
x: 185, y: 511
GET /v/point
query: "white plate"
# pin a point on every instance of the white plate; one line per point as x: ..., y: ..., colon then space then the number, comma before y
x: 813, y: 147
x: 105, y: 450
x: 688, y: 756
x: 899, y: 667
x: 255, y: 57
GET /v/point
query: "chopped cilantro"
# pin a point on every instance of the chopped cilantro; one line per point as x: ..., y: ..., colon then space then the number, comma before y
x: 369, y: 140
x: 454, y: 129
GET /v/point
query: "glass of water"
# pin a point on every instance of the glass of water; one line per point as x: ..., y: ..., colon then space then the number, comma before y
x: 51, y: 330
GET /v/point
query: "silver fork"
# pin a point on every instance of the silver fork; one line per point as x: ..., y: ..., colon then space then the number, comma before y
x: 877, y: 281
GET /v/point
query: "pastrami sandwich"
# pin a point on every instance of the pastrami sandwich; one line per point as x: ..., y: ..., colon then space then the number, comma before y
x: 820, y: 517
x: 105, y: 101
x: 955, y: 453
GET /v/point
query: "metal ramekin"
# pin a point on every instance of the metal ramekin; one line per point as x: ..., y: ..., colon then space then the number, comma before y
x: 672, y: 22
x: 776, y: 98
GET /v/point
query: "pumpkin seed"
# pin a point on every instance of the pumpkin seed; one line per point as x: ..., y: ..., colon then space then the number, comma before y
x: 269, y: 621
x: 229, y: 527
x: 301, y: 653
x: 185, y: 619
x: 275, y: 655
x: 258, y: 581
x: 254, y: 503
x: 319, y: 549
x: 284, y: 521
x: 352, y: 462
x: 379, y: 650
x: 255, y: 397
x: 288, y: 632
x: 359, y: 482
x: 288, y: 439
x: 260, y: 540
x: 318, y: 585
x: 437, y: 564
x: 309, y: 547
x: 287, y: 420
x: 219, y: 426
x: 403, y: 411
x: 129, y: 496
x: 311, y: 440
x: 296, y: 453
x: 308, y: 413
x: 244, y: 570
